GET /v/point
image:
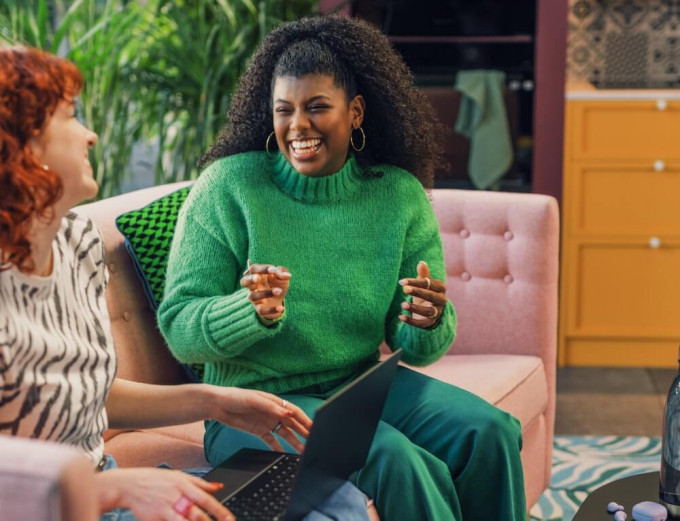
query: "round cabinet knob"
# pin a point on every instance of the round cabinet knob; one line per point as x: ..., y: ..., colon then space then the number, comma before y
x: 654, y: 242
x: 661, y: 104
x: 528, y: 85
x: 659, y: 165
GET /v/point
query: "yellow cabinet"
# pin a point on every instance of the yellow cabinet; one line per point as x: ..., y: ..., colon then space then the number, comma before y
x: 620, y: 278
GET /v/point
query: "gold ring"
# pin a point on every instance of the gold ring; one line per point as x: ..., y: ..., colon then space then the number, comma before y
x: 428, y: 282
x: 436, y: 312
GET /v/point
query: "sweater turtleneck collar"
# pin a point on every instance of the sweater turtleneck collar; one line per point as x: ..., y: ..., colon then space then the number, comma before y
x: 334, y: 187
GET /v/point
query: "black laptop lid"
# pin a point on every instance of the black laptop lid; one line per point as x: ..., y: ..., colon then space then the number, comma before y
x: 341, y: 437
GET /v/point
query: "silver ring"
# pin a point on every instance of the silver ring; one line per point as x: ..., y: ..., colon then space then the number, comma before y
x: 276, y: 429
x: 428, y: 283
x: 284, y: 404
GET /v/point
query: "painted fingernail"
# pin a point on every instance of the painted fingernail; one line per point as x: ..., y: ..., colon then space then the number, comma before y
x: 405, y: 305
x: 402, y: 282
x: 271, y: 269
x: 402, y: 318
x: 279, y: 308
x: 217, y: 485
x: 277, y: 291
x: 408, y: 289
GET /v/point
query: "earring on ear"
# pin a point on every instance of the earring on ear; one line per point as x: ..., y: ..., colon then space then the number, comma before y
x: 266, y: 145
x: 45, y: 168
x: 363, y: 141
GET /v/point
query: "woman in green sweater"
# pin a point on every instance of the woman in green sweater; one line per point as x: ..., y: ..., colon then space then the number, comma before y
x: 308, y: 240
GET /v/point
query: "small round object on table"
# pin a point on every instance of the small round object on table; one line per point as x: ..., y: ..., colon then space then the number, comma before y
x: 613, y: 507
x: 649, y: 511
x: 620, y: 516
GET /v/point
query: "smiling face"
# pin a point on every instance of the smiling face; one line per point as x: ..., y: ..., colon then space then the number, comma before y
x: 63, y: 146
x: 313, y: 121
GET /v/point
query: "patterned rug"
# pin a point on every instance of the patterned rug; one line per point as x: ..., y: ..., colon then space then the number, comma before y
x: 583, y: 463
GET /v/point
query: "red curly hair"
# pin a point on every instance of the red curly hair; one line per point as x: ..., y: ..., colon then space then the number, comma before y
x: 32, y: 83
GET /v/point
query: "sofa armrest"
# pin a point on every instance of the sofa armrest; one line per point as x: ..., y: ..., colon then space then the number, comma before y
x: 44, y: 481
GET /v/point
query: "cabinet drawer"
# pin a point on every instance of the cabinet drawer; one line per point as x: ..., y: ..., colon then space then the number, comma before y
x: 623, y: 289
x: 621, y: 352
x: 624, y: 199
x: 624, y: 129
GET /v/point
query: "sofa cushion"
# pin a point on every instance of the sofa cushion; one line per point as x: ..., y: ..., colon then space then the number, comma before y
x: 515, y: 383
x: 148, y: 233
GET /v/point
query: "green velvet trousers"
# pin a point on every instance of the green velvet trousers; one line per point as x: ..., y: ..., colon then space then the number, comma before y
x: 440, y: 453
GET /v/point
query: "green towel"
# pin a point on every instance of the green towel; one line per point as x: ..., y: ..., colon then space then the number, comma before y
x: 483, y: 119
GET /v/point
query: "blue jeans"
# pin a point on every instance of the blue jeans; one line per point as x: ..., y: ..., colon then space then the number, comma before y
x: 347, y: 503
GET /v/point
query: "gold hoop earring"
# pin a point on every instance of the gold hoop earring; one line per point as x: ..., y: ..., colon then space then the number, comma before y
x: 266, y: 145
x: 363, y: 142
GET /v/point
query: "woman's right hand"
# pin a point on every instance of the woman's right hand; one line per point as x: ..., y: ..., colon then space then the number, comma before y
x: 268, y: 286
x: 160, y: 495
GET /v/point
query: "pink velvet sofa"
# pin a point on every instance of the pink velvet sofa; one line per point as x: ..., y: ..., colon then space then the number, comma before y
x: 501, y: 254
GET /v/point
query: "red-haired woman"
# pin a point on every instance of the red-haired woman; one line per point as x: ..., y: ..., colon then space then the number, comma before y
x: 57, y: 361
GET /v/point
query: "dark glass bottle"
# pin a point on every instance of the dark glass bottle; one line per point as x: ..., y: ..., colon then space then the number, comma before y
x: 669, y: 483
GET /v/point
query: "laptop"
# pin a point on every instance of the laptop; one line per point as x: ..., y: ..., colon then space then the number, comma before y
x: 268, y: 486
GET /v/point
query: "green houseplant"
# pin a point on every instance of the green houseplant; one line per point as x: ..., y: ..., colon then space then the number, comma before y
x: 155, y: 70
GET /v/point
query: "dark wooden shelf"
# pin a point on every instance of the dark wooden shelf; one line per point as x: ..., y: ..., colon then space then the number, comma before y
x: 517, y: 38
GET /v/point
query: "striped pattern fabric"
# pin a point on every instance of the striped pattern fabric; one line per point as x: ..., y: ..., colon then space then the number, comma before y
x: 57, y: 361
x: 582, y: 464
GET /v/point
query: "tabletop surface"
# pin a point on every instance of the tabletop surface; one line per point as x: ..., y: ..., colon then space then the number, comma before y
x: 626, y: 491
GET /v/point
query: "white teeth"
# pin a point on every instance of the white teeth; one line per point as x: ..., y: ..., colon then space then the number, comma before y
x: 307, y: 143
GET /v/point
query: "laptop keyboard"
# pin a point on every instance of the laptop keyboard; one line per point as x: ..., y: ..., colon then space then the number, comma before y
x: 266, y: 498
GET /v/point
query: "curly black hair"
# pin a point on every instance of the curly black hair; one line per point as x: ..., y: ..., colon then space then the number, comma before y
x: 400, y: 125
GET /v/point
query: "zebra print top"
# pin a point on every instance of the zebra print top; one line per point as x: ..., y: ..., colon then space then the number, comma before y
x: 57, y: 361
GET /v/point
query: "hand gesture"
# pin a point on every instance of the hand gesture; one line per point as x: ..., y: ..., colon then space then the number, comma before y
x: 268, y: 286
x: 429, y: 298
x: 161, y: 495
x: 261, y: 414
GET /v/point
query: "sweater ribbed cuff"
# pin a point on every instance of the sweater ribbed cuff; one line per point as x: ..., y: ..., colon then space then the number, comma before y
x: 231, y: 324
x: 428, y: 345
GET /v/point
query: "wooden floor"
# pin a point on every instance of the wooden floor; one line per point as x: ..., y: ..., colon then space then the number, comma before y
x: 603, y: 401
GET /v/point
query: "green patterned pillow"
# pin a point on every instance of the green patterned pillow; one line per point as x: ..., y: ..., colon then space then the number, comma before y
x: 148, y: 233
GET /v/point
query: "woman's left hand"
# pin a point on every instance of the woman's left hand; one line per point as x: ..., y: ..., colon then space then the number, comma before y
x: 428, y: 298
x: 261, y: 414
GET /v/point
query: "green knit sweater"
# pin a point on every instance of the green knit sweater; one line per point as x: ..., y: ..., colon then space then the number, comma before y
x: 346, y: 238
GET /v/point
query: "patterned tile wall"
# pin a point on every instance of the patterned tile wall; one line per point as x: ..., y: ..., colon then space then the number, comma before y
x: 625, y: 43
